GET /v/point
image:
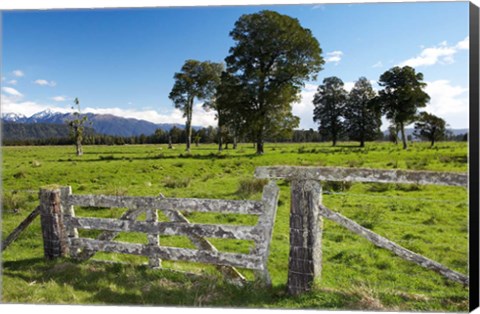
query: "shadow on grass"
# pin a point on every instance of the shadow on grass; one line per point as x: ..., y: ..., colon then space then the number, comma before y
x: 109, y: 283
x: 124, y: 284
x: 186, y: 156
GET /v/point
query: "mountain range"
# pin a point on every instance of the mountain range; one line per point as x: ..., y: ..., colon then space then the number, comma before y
x: 109, y: 124
x: 101, y: 123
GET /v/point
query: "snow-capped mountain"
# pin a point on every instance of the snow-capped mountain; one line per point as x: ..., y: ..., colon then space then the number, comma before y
x: 102, y: 123
x: 43, y: 115
x: 13, y: 117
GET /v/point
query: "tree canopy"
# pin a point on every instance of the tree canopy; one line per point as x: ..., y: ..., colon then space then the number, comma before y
x: 196, y: 80
x: 330, y: 101
x: 362, y: 114
x: 430, y: 127
x: 402, y: 96
x: 272, y: 57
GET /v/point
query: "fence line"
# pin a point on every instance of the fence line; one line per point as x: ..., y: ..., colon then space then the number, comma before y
x: 306, y: 192
x: 393, y: 197
x: 392, y: 246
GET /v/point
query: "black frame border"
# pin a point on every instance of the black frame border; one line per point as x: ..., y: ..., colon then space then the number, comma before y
x: 474, y: 158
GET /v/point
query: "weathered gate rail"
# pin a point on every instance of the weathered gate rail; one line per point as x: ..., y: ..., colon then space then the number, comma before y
x: 306, y: 225
x: 60, y: 228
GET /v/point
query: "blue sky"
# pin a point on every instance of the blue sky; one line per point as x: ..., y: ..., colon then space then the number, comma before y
x: 122, y: 61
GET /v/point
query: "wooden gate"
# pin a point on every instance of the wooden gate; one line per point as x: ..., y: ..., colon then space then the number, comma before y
x: 60, y: 228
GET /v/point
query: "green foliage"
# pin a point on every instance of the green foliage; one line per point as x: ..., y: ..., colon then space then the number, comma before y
x: 197, y: 80
x: 430, y: 127
x: 77, y: 128
x: 250, y: 186
x: 330, y: 102
x: 362, y: 113
x: 401, y: 96
x: 175, y: 183
x: 272, y: 57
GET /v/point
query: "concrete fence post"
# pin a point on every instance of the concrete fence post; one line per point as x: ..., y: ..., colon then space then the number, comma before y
x: 305, y: 259
x: 55, y: 242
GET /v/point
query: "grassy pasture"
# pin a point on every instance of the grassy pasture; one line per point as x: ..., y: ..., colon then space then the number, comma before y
x: 430, y: 220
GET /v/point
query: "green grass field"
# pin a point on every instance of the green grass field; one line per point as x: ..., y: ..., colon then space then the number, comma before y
x: 430, y: 220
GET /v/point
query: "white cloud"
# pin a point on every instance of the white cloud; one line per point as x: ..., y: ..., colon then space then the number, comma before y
x: 12, y: 82
x: 334, y: 56
x: 379, y: 64
x: 442, y: 54
x: 45, y: 83
x: 447, y: 99
x: 464, y: 44
x: 18, y: 73
x: 200, y: 117
x: 348, y: 86
x: 12, y: 91
x: 26, y: 108
x: 59, y: 98
x: 304, y: 108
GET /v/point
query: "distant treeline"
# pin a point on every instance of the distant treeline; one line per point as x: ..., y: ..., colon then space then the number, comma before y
x: 15, y: 134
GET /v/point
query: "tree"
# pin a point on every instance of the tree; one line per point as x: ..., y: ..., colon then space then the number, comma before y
x: 77, y: 127
x: 362, y: 114
x: 402, y: 96
x: 329, y: 102
x: 430, y: 127
x: 197, y: 80
x: 272, y: 57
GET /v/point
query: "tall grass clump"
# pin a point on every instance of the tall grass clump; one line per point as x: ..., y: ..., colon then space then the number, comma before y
x: 250, y: 186
x: 13, y: 201
x: 175, y: 183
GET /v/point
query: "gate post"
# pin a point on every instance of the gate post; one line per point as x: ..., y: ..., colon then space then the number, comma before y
x: 306, y: 225
x: 53, y: 230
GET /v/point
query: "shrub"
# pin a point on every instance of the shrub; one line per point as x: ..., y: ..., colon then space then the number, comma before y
x: 408, y: 187
x: 369, y: 217
x: 336, y: 186
x: 20, y: 175
x: 14, y: 201
x: 420, y: 164
x: 379, y: 187
x: 250, y: 186
x: 107, y: 157
x: 175, y: 183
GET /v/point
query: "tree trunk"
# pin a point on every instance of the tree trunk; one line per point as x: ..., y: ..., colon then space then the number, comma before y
x: 79, y: 147
x: 220, y: 140
x: 189, y: 135
x: 188, y: 125
x: 170, y: 142
x: 259, y: 146
x: 404, y: 139
x: 234, y: 142
x: 226, y: 144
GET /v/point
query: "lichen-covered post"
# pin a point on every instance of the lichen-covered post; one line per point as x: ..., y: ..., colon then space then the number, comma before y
x: 53, y: 230
x: 153, y: 239
x: 305, y: 260
x: 68, y: 212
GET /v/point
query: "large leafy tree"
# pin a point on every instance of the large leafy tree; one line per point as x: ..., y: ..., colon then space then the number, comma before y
x: 196, y: 80
x: 362, y: 114
x: 272, y: 57
x: 402, y: 96
x: 330, y: 101
x: 430, y: 127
